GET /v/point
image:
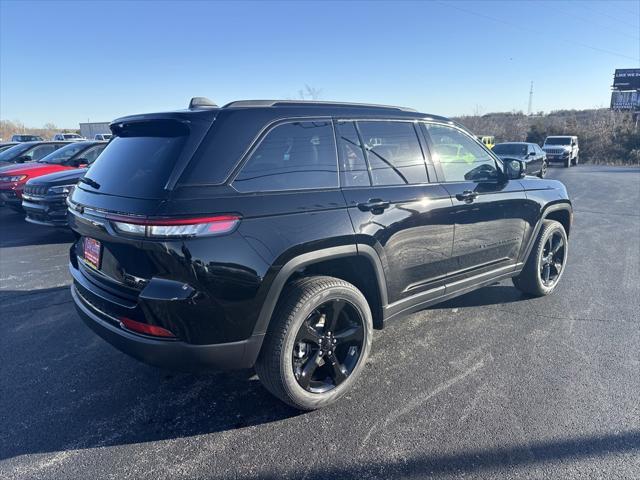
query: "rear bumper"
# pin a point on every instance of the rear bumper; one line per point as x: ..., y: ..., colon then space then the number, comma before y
x: 170, y: 354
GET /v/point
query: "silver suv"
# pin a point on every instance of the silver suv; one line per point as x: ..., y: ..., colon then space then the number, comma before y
x: 562, y: 148
x: 68, y: 137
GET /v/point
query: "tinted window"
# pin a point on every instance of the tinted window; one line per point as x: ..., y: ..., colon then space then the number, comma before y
x: 63, y: 154
x: 353, y: 166
x: 393, y: 152
x: 42, y: 151
x: 461, y: 158
x: 292, y: 156
x: 138, y: 162
x: 91, y: 154
x: 14, y: 152
x: 510, y: 149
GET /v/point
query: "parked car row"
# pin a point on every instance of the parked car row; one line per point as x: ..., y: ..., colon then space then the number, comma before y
x: 558, y: 148
x: 30, y: 161
x: 58, y: 137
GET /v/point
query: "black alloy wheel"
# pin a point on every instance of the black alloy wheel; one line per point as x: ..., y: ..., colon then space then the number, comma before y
x: 328, y: 346
x: 552, y: 259
x: 317, y: 343
x: 546, y: 261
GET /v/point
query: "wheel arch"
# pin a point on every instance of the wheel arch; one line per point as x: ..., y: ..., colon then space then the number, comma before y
x: 356, y: 264
x: 560, y: 211
x: 561, y: 214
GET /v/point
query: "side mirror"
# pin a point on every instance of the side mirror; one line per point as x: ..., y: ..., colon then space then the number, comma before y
x: 22, y: 159
x: 514, y: 169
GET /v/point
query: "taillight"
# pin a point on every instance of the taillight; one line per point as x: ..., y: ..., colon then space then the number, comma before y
x: 145, y: 329
x: 175, y: 227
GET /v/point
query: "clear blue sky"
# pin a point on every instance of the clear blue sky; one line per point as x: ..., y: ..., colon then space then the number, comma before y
x: 66, y: 62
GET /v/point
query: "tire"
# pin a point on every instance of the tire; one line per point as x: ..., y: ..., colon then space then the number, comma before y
x: 284, y: 357
x: 543, y: 170
x: 531, y: 279
x: 567, y: 162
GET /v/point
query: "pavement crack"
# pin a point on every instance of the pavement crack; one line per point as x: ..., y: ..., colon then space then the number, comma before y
x: 572, y: 319
x: 421, y: 399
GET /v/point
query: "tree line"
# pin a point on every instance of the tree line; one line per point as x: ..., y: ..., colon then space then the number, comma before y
x: 9, y: 128
x: 605, y: 137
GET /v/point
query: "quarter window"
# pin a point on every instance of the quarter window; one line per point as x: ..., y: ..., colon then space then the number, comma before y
x: 353, y: 166
x: 461, y: 158
x: 293, y: 156
x: 394, y: 153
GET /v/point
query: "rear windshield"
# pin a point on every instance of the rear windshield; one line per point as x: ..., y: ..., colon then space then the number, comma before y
x: 510, y: 149
x: 139, y: 160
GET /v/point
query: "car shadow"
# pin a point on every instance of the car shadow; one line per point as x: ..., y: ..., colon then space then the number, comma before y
x: 65, y: 388
x: 16, y: 232
x: 479, y: 461
x: 491, y: 295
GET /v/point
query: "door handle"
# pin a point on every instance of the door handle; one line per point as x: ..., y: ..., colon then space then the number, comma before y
x: 374, y: 205
x: 467, y: 196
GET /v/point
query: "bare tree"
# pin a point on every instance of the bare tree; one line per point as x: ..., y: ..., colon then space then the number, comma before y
x: 309, y: 93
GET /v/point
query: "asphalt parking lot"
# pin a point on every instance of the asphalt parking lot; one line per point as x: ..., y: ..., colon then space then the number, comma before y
x: 491, y: 384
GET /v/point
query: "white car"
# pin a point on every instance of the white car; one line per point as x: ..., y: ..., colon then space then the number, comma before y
x: 68, y: 137
x: 103, y: 136
x: 562, y: 148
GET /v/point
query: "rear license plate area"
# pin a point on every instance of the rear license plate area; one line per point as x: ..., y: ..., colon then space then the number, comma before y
x: 92, y: 252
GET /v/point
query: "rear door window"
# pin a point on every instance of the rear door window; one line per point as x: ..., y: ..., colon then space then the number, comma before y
x: 292, y: 156
x: 394, y: 153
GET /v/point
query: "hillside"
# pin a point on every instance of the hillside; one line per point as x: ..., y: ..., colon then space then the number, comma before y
x: 604, y: 136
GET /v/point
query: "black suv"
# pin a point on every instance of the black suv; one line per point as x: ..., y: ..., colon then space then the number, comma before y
x: 280, y: 234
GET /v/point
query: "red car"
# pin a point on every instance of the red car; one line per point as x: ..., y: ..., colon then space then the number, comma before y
x: 73, y: 155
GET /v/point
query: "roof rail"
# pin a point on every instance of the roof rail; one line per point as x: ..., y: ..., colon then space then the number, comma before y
x: 201, y: 102
x: 305, y: 103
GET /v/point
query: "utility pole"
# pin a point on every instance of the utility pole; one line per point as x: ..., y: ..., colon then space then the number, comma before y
x: 530, y: 99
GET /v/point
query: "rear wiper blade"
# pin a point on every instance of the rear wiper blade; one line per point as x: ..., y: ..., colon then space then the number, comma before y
x: 91, y: 183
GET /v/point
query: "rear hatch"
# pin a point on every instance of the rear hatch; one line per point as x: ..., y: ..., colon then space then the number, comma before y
x: 130, y: 181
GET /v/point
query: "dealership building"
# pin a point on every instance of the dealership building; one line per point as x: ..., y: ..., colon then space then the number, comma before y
x: 90, y: 130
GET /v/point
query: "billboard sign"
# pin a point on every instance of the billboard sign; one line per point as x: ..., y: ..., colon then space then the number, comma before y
x: 627, y: 79
x: 625, y: 100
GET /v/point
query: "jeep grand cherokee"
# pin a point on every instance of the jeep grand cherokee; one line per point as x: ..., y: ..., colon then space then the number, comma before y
x: 279, y: 234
